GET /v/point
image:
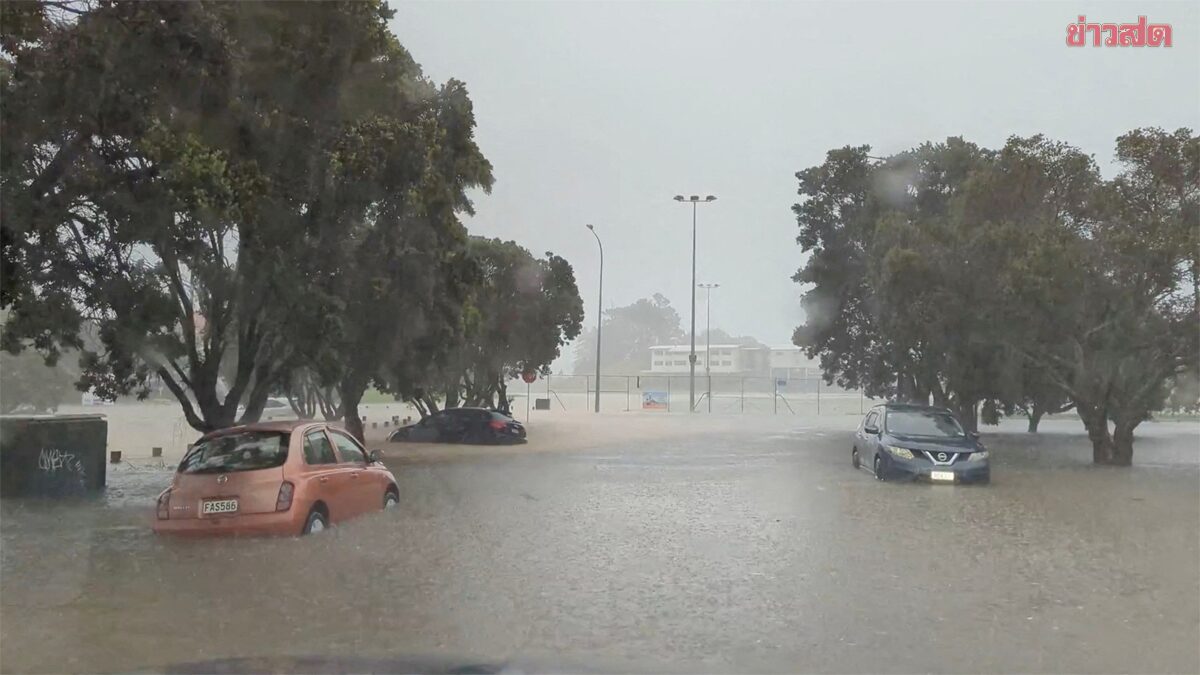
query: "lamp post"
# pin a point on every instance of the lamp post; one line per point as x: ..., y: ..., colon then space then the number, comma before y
x: 695, y: 200
x: 708, y: 288
x: 599, y: 312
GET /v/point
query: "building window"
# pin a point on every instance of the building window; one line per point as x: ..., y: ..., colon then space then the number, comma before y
x: 727, y: 363
x: 658, y: 363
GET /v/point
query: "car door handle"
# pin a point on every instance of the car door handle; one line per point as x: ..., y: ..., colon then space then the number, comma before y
x: 323, y: 479
x: 355, y: 474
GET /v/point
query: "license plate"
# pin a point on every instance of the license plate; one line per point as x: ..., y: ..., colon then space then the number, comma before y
x: 214, y: 506
x: 942, y: 475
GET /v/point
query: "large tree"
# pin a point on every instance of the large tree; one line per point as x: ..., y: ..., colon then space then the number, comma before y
x: 1015, y: 277
x: 519, y: 313
x: 194, y: 179
x: 1120, y: 295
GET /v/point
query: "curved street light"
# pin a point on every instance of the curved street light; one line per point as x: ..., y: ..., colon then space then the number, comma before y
x: 599, y: 312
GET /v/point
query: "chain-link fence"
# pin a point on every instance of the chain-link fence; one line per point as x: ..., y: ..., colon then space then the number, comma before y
x: 723, y: 394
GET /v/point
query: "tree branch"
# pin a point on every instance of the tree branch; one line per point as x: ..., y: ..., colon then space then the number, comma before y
x: 189, y: 412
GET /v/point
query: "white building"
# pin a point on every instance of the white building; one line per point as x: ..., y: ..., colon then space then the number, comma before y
x: 672, y: 359
x: 731, y: 359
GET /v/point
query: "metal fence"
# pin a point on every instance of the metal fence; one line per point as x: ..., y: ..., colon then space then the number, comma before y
x: 721, y: 394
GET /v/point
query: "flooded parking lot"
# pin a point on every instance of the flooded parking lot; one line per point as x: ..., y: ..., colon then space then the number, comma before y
x: 751, y: 547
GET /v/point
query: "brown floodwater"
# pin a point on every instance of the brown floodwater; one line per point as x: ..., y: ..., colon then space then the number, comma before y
x: 753, y: 548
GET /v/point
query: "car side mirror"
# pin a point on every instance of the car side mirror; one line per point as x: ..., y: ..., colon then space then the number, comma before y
x: 375, y: 456
x: 871, y: 429
x: 974, y: 435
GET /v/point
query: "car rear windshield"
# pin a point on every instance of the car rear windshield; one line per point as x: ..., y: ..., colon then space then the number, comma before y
x: 245, y: 451
x: 923, y: 423
x: 501, y: 417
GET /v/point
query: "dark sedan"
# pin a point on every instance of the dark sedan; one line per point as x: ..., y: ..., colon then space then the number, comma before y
x: 918, y: 442
x: 463, y: 425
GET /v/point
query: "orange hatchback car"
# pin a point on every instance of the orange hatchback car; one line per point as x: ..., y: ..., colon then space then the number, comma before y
x: 284, y: 478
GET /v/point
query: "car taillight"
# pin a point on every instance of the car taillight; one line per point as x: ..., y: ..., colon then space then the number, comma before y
x: 284, y: 501
x: 497, y: 425
x: 164, y: 505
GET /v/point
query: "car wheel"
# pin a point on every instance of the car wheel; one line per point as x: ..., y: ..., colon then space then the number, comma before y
x: 854, y: 458
x: 316, y: 523
x: 878, y: 467
x: 390, y: 499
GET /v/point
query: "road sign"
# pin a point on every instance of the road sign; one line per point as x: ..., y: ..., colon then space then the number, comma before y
x: 529, y: 376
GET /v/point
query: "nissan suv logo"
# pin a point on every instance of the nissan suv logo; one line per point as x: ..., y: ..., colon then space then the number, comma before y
x: 222, y: 479
x: 942, y: 456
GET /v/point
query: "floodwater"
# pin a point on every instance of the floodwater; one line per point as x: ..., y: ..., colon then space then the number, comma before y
x: 752, y: 546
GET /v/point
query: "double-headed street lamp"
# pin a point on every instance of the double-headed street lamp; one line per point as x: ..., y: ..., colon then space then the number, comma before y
x: 599, y: 313
x: 694, y: 199
x: 708, y: 289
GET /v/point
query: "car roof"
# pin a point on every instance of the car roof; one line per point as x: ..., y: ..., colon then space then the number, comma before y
x: 913, y: 406
x: 284, y: 426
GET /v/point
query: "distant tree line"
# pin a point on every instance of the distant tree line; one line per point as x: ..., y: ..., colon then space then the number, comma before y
x: 246, y: 199
x: 630, y: 331
x: 1009, y: 280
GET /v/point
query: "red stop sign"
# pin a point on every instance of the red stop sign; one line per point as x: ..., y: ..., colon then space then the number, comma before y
x: 529, y: 376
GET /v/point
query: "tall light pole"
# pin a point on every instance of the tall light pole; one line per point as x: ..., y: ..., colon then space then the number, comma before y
x: 599, y: 312
x: 694, y: 199
x: 708, y: 288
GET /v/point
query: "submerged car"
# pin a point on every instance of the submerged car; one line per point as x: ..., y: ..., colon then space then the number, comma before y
x: 274, y: 478
x: 918, y: 442
x: 463, y: 425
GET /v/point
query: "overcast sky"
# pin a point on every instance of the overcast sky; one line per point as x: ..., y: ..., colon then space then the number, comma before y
x: 599, y: 113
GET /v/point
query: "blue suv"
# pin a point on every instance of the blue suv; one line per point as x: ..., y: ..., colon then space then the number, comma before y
x: 919, y: 442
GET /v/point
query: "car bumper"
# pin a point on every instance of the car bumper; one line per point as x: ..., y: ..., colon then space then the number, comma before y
x: 964, y: 472
x: 278, y: 524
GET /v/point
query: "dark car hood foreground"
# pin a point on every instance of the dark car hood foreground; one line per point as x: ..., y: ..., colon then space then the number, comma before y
x: 933, y: 444
x: 403, y: 664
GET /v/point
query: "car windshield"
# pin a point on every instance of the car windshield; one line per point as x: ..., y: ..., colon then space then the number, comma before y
x: 923, y: 423
x: 246, y: 451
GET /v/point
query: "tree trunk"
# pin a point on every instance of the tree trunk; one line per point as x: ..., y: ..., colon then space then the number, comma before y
x: 502, y: 391
x: 329, y: 402
x: 430, y: 403
x: 1123, y: 442
x: 352, y: 392
x: 1035, y: 418
x: 1095, y: 420
x: 967, y: 414
x: 452, y: 390
x: 906, y: 388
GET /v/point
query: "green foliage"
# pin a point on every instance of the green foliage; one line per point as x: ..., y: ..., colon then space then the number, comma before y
x: 1015, y: 277
x: 227, y: 192
x: 521, y: 311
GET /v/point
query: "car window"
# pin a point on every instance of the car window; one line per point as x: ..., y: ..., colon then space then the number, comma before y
x: 923, y: 423
x: 245, y: 451
x: 348, y: 449
x: 871, y: 418
x: 317, y: 449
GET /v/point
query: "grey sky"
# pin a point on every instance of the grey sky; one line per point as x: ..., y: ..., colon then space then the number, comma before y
x: 600, y: 112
